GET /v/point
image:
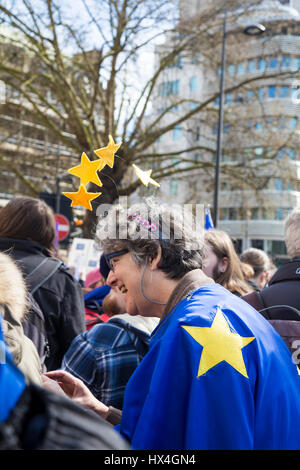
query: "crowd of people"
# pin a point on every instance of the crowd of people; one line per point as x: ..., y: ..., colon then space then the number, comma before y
x: 172, y: 343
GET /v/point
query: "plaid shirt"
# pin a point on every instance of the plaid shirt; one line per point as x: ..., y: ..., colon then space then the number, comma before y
x: 105, y: 357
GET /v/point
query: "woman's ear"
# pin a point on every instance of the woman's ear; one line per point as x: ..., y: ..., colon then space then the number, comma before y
x: 224, y: 264
x: 156, y: 260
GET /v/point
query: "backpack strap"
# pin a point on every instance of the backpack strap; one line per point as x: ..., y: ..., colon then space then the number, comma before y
x: 41, y: 273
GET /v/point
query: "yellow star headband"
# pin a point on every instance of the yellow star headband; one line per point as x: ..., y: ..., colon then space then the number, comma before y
x: 87, y: 172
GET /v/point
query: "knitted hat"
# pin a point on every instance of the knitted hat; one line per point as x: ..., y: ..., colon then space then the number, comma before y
x: 92, y: 277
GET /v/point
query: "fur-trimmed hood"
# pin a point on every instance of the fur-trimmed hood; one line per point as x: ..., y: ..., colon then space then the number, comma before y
x: 13, y: 305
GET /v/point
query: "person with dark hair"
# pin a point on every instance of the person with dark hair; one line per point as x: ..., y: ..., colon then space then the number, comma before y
x: 217, y: 375
x: 28, y: 232
x: 222, y: 263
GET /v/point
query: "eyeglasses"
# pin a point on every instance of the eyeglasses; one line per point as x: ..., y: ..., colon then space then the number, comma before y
x: 110, y: 256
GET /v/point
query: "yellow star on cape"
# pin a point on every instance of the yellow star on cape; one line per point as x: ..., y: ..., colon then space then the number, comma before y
x: 144, y: 176
x: 87, y: 170
x: 107, y: 153
x: 82, y: 197
x: 219, y: 344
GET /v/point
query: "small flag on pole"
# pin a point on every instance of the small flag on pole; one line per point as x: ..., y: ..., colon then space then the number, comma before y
x: 208, y: 223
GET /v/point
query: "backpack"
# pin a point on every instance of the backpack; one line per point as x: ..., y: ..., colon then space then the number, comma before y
x: 289, y: 330
x: 34, y: 322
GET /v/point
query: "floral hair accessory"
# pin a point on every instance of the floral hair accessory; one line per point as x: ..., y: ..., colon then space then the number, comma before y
x: 150, y: 226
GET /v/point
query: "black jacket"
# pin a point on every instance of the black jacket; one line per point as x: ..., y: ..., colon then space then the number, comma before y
x: 60, y: 298
x: 43, y: 420
x: 283, y: 289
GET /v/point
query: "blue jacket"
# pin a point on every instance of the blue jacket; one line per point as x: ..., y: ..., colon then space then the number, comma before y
x: 217, y: 376
x: 12, y: 381
x: 96, y: 295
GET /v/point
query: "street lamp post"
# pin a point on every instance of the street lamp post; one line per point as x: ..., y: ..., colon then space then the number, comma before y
x: 59, y: 178
x: 250, y: 30
x: 220, y: 125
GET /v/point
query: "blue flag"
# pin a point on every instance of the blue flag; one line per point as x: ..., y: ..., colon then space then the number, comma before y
x: 12, y: 382
x: 208, y: 224
x: 217, y: 376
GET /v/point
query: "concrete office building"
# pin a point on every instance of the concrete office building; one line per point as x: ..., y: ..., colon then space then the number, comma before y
x: 261, y: 123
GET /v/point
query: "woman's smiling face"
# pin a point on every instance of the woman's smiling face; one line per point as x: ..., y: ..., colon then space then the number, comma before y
x: 126, y: 274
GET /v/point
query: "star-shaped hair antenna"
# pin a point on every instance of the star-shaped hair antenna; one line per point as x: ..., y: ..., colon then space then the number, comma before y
x: 87, y: 170
x: 106, y: 154
x: 145, y: 176
x: 82, y: 197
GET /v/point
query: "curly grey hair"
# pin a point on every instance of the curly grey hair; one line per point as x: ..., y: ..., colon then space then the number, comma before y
x: 142, y: 228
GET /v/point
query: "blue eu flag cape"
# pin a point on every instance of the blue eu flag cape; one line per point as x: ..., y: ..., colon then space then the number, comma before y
x: 217, y: 376
x: 12, y: 382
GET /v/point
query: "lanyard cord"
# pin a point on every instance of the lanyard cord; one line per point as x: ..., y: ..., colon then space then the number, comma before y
x: 142, y: 288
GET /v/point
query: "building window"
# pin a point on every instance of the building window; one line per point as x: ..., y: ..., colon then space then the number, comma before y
x: 278, y: 184
x: 193, y: 84
x: 177, y: 133
x: 173, y: 187
x: 293, y: 123
x: 272, y: 91
x: 250, y: 95
x: 296, y: 63
x: 228, y: 98
x: 169, y: 88
x: 251, y: 66
x: 261, y: 94
x: 285, y: 61
x: 295, y: 94
x: 262, y: 64
x: 193, y: 106
x: 279, y: 214
x: 239, y: 98
x: 258, y: 126
x: 273, y: 63
x: 284, y: 92
x: 240, y: 70
x: 233, y: 213
x: 231, y: 70
x: 255, y: 213
x: 227, y: 128
x: 281, y: 153
x: 291, y: 154
x: 223, y: 213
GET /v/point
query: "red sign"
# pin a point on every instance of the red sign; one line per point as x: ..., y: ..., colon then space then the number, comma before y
x: 62, y: 227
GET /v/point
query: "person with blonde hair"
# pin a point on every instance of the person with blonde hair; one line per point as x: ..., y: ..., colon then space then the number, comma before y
x: 222, y: 263
x: 14, y: 305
